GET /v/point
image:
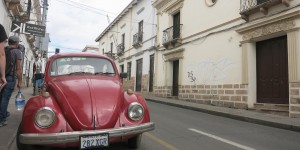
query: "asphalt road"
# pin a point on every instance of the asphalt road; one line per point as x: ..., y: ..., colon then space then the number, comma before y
x: 182, y: 129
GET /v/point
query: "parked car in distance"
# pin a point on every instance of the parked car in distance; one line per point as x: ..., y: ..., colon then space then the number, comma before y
x: 83, y: 104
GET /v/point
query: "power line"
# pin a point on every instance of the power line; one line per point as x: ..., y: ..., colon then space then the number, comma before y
x: 96, y: 11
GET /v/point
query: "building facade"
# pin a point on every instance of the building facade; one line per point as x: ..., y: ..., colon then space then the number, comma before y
x: 239, y: 55
x: 24, y: 11
x: 130, y: 39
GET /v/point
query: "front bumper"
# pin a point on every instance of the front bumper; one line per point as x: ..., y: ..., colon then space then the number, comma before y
x: 71, y: 137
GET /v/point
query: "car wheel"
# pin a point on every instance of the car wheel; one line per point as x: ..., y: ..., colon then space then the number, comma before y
x: 135, y: 141
x: 24, y: 146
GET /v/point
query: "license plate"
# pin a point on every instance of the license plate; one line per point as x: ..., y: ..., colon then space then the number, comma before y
x: 94, y: 141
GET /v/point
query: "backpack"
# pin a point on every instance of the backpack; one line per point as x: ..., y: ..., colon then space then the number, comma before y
x: 10, y: 64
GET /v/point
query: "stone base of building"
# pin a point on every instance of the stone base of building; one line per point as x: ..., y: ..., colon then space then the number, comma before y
x: 226, y: 95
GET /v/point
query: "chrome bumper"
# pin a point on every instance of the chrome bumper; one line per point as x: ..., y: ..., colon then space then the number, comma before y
x: 70, y: 137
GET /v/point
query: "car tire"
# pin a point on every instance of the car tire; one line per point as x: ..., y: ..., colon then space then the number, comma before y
x: 24, y: 146
x: 135, y: 141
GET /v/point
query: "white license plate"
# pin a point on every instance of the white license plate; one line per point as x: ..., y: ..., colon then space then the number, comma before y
x: 94, y: 141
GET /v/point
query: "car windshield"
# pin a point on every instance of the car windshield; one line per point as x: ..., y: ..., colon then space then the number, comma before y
x: 81, y: 65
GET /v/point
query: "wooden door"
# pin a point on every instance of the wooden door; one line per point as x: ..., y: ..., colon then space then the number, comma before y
x: 151, y: 73
x: 272, y: 71
x: 139, y: 74
x: 175, y: 78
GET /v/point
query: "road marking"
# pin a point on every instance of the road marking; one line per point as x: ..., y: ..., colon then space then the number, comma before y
x: 222, y: 140
x: 160, y: 141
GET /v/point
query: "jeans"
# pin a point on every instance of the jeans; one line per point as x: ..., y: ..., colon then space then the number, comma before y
x: 5, y: 95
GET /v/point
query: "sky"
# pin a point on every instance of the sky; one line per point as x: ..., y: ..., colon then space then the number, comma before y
x: 73, y: 24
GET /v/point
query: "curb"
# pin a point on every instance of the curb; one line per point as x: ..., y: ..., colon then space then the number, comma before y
x: 11, y: 140
x: 233, y: 116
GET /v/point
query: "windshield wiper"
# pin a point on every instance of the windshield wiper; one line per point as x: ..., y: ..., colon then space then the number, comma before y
x: 104, y: 73
x: 80, y: 72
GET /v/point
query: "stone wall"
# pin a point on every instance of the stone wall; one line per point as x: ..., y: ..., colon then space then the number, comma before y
x: 144, y: 83
x: 128, y: 84
x: 227, y: 95
x: 162, y: 91
x: 295, y: 100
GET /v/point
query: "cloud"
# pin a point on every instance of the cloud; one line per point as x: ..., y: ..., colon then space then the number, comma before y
x: 73, y: 24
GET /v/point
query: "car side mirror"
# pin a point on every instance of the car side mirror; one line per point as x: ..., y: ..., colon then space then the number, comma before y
x: 123, y: 75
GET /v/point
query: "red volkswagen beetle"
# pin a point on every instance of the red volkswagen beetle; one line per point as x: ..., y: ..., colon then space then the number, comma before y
x: 82, y: 103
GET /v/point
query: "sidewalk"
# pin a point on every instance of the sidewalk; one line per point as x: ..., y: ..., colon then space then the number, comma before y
x: 8, y: 132
x: 238, y: 114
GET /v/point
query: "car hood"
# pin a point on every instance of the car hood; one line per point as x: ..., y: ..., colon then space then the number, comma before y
x: 89, y: 103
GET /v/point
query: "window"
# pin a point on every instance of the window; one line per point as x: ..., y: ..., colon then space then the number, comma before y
x: 140, y: 37
x: 128, y: 70
x: 123, y: 38
x: 121, y: 68
x: 111, y: 47
x: 81, y: 65
x: 176, y: 25
x: 141, y: 26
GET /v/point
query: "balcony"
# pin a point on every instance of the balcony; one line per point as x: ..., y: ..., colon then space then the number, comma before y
x: 120, y: 49
x: 172, y: 36
x: 137, y: 40
x: 249, y: 7
x: 19, y: 9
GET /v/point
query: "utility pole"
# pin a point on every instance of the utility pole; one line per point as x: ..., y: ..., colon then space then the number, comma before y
x: 38, y: 61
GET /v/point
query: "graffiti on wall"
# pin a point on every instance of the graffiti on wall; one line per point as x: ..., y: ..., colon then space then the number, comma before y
x: 209, y: 71
x: 191, y: 77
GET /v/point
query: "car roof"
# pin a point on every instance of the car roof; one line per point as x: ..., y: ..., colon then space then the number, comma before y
x: 74, y: 54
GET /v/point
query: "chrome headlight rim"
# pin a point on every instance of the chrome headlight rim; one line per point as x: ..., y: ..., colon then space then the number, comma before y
x: 135, y: 106
x: 48, y: 110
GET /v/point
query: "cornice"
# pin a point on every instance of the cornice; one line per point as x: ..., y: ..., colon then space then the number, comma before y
x: 272, y: 20
x: 167, y: 5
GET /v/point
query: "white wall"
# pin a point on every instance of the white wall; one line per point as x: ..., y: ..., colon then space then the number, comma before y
x: 212, y: 51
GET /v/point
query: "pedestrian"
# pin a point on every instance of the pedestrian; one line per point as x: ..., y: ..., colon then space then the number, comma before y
x: 3, y: 38
x: 11, y: 76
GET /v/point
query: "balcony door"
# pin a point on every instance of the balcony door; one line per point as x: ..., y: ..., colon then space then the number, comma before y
x: 141, y: 24
x: 176, y: 25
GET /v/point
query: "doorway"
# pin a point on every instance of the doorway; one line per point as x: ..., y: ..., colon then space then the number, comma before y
x: 272, y: 71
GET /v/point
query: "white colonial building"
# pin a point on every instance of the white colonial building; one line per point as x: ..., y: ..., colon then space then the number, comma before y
x: 242, y: 54
x: 130, y: 39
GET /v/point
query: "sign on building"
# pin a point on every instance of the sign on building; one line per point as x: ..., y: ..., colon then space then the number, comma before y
x: 27, y: 28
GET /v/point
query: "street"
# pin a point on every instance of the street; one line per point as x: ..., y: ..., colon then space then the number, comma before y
x: 182, y: 129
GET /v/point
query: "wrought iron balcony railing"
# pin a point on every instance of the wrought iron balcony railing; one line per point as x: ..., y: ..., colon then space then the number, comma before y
x: 172, y: 33
x: 248, y: 7
x: 137, y: 39
x: 120, y: 49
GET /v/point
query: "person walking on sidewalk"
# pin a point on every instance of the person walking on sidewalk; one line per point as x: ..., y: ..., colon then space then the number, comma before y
x: 3, y: 38
x: 15, y: 71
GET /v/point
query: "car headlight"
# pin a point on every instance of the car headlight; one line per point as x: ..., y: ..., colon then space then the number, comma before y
x: 135, y: 111
x: 45, y: 117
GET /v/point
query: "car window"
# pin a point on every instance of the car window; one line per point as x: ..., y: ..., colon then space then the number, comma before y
x: 81, y: 65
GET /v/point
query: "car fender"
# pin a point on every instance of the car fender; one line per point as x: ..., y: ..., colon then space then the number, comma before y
x: 33, y: 105
x: 128, y: 99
